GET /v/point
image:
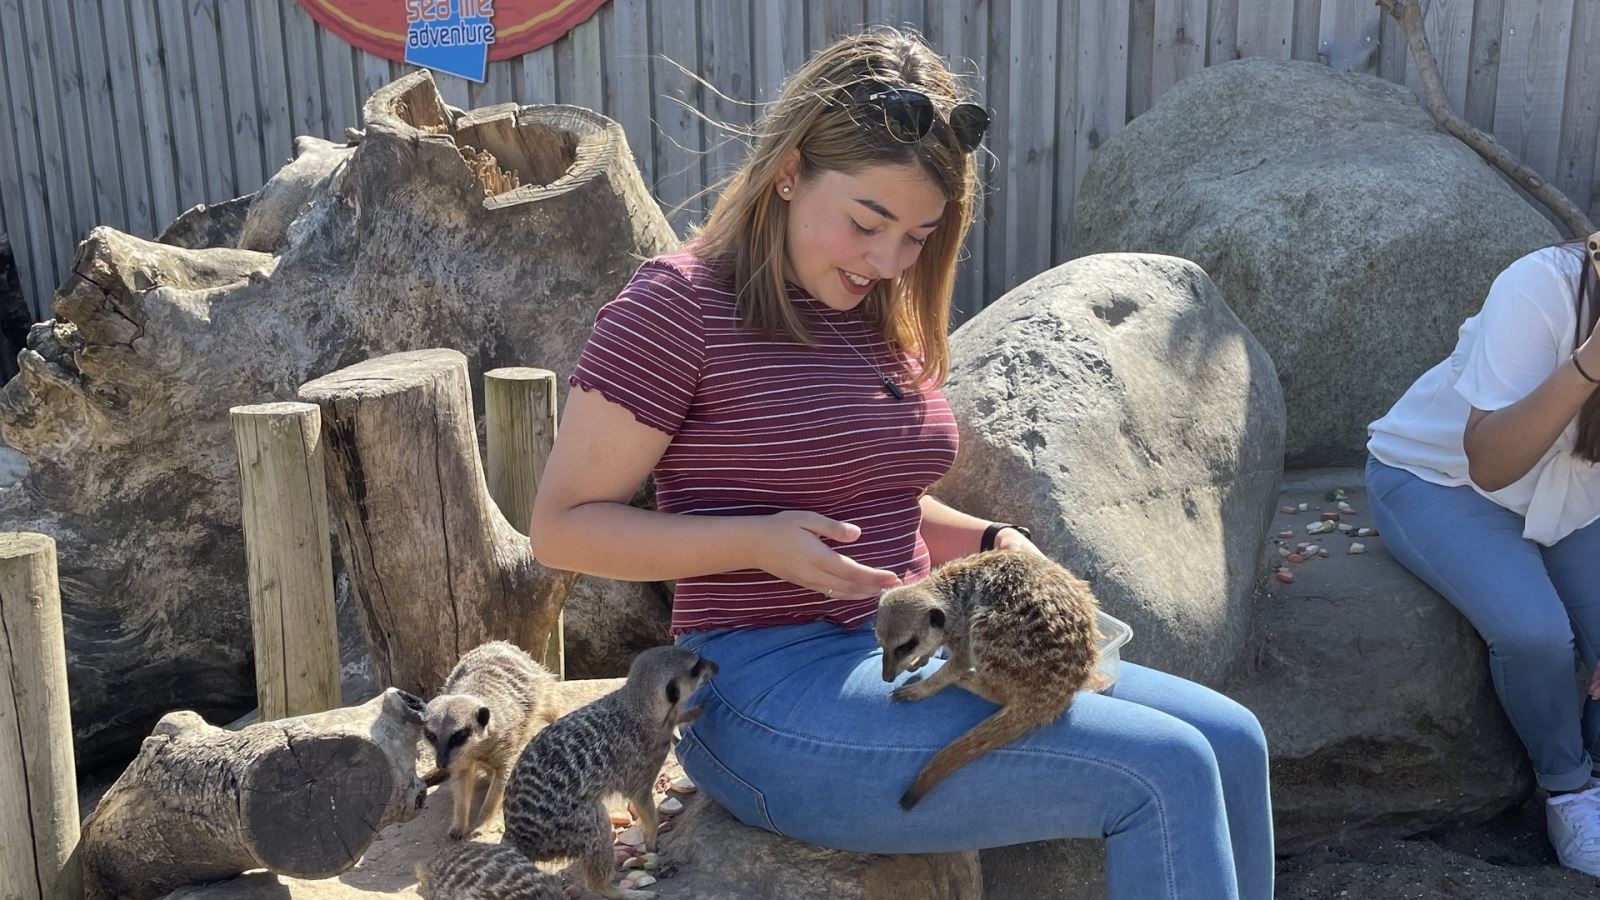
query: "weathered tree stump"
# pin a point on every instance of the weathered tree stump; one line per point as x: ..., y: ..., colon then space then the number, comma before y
x: 302, y: 797
x: 38, y: 788
x: 436, y: 568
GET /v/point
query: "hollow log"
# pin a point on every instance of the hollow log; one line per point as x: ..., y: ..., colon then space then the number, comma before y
x: 302, y: 797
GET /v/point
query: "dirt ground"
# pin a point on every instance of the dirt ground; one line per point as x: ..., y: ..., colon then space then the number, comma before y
x: 1505, y: 859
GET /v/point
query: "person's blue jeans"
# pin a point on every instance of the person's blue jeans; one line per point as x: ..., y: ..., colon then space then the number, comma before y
x: 799, y: 737
x: 1531, y: 604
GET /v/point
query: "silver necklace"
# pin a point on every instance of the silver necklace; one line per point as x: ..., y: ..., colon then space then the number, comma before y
x: 889, y: 387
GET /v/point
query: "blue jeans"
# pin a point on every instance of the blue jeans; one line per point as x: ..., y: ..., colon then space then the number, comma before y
x: 1531, y: 604
x: 799, y: 737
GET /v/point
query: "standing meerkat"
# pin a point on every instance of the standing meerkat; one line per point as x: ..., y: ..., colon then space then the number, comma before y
x: 472, y: 871
x: 1021, y: 633
x: 489, y: 707
x: 555, y: 801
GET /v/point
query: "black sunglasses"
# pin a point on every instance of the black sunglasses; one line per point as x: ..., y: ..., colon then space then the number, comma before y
x: 909, y: 115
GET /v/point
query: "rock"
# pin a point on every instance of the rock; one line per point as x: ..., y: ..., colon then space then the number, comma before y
x: 121, y: 405
x: 1059, y: 870
x: 1376, y: 700
x: 683, y: 785
x: 719, y: 858
x: 670, y: 806
x: 1113, y: 398
x: 1318, y: 203
x: 609, y: 622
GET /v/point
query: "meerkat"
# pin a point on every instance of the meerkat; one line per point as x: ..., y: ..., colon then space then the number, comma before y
x: 1020, y: 631
x: 472, y: 871
x: 489, y: 707
x: 555, y: 800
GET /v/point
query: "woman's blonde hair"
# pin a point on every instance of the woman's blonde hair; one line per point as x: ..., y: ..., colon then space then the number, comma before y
x: 814, y: 115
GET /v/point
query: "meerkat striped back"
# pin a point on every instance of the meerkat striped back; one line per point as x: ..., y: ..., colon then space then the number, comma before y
x: 501, y: 672
x: 470, y: 871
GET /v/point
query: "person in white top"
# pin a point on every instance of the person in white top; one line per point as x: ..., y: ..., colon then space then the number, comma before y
x: 1483, y: 481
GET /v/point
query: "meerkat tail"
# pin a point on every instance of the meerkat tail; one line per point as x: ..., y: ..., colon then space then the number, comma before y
x: 1006, y: 725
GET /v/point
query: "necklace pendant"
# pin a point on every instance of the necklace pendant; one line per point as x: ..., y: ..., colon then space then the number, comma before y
x: 892, y: 389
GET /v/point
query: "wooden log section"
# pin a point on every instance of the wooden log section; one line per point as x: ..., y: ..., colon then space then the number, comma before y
x: 303, y: 796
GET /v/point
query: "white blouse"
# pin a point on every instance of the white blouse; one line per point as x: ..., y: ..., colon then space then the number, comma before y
x: 1524, y: 331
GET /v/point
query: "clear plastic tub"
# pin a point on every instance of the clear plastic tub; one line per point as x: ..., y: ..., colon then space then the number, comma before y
x: 1113, y: 634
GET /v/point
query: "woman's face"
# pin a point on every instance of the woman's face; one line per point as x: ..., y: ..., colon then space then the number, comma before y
x: 848, y: 232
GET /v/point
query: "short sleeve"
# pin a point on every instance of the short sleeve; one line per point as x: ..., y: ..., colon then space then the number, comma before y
x: 647, y: 347
x: 1524, y: 331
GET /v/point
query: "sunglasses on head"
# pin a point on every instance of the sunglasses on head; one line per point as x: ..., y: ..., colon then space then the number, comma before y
x: 909, y: 115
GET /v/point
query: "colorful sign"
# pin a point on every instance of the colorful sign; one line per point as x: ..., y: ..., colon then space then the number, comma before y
x: 450, y: 35
x: 508, y: 28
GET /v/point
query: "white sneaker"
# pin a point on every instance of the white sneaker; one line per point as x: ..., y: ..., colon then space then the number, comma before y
x: 1574, y: 824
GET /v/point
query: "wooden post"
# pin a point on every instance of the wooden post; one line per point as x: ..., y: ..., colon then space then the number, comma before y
x: 284, y: 505
x: 520, y: 417
x: 39, y: 812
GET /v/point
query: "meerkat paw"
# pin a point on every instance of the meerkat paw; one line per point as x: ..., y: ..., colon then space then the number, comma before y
x: 911, y: 691
x: 457, y: 832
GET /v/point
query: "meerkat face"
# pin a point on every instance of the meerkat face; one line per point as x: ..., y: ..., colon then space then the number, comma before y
x: 671, y: 676
x: 910, y: 629
x: 452, y: 723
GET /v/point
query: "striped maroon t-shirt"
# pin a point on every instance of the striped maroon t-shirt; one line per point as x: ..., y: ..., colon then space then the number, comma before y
x: 764, y: 425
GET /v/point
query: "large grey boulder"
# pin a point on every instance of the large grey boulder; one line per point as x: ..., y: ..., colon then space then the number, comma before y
x: 1349, y: 234
x: 1373, y: 691
x: 1116, y: 406
x: 121, y: 406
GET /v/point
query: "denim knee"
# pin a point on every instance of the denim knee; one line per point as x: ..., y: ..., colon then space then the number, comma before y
x: 1527, y: 641
x: 1236, y: 736
x: 1182, y: 763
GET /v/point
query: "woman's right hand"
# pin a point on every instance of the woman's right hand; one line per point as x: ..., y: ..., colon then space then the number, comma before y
x: 790, y: 546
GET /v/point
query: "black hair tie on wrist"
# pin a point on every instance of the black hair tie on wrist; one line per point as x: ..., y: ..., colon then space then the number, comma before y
x: 1579, y: 366
x: 987, y: 541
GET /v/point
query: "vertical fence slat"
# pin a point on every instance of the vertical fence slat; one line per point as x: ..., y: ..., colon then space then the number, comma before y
x: 205, y: 36
x: 27, y: 225
x: 1580, y: 117
x: 678, y: 140
x: 1028, y: 171
x: 1535, y: 38
x: 1483, y: 77
x: 238, y: 86
x: 1180, y: 43
x: 272, y: 87
x: 46, y: 123
x: 629, y: 85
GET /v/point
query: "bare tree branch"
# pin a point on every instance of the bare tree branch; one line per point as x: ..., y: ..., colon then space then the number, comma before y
x: 1409, y: 14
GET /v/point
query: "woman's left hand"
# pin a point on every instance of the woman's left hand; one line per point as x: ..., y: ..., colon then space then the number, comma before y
x: 1594, y: 684
x: 1012, y: 539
